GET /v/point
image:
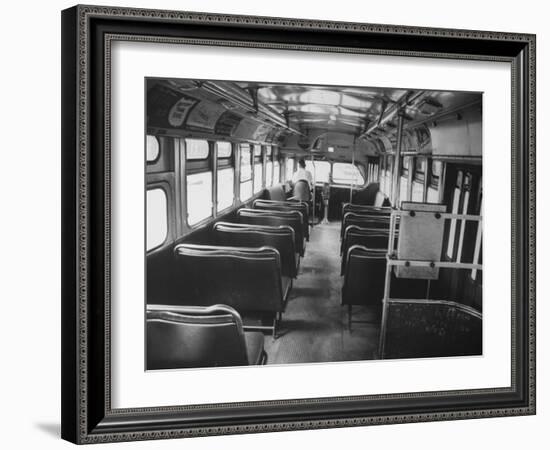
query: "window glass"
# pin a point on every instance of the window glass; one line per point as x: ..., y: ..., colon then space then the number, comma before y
x: 345, y: 173
x: 157, y: 218
x: 257, y: 150
x: 452, y: 228
x: 276, y: 172
x: 153, y: 148
x: 196, y: 149
x: 433, y: 195
x: 320, y: 170
x: 199, y: 197
x: 224, y: 149
x: 417, y: 192
x: 268, y: 150
x: 269, y: 174
x: 225, y: 188
x: 246, y: 166
x: 246, y: 191
x: 403, y: 189
x: 289, y: 168
x: 257, y: 177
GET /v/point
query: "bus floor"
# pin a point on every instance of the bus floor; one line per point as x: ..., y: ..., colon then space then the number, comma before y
x: 314, y: 326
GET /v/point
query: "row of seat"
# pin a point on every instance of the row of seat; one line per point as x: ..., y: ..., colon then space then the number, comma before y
x: 364, y: 245
x: 247, y: 265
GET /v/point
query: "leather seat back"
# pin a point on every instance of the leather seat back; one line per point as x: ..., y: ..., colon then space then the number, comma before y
x: 301, y: 207
x: 276, y: 218
x: 364, y: 276
x: 301, y: 191
x: 363, y: 209
x: 247, y: 279
x: 365, y: 221
x: 371, y: 238
x: 276, y: 192
x: 185, y: 337
x: 246, y: 235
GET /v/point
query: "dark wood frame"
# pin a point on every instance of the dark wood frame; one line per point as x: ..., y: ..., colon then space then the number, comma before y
x: 87, y: 32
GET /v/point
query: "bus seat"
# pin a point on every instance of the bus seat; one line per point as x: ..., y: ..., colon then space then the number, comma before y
x: 301, y: 207
x: 372, y: 238
x: 363, y: 278
x: 367, y: 195
x: 301, y: 191
x: 194, y: 336
x: 247, y: 235
x: 431, y: 328
x: 363, y: 209
x: 276, y: 218
x: 276, y: 192
x: 245, y: 278
x: 364, y: 221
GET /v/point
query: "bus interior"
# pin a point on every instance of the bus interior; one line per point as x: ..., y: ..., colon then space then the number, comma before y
x: 249, y: 262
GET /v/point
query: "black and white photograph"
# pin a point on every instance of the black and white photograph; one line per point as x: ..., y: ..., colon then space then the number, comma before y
x: 298, y: 224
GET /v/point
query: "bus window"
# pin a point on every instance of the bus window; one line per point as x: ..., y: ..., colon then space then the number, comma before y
x: 257, y: 150
x: 268, y: 151
x: 258, y: 177
x: 246, y: 172
x: 465, y: 203
x: 346, y: 173
x: 225, y: 188
x: 276, y: 172
x: 196, y: 149
x: 153, y: 149
x: 436, y: 167
x: 157, y: 218
x: 322, y: 171
x: 199, y: 197
x: 224, y: 149
x: 418, y: 182
x: 455, y: 205
x: 269, y: 173
x: 477, y: 248
x: 289, y: 169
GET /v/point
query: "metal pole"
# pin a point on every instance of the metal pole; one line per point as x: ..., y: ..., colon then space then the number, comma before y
x: 397, y: 160
x: 353, y: 164
x: 314, y: 182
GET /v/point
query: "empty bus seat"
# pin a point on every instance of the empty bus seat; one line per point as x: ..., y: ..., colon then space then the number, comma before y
x: 249, y: 235
x: 302, y: 207
x: 371, y: 238
x: 431, y: 328
x: 276, y: 218
x: 364, y: 221
x: 195, y: 336
x: 363, y: 209
x: 276, y: 192
x: 247, y: 279
x: 363, y: 278
x: 366, y: 196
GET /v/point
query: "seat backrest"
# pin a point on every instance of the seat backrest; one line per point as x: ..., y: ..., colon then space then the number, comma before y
x: 365, y: 221
x: 301, y: 191
x: 247, y: 235
x: 185, y: 337
x: 276, y: 218
x: 301, y: 207
x: 247, y: 279
x: 371, y: 238
x: 363, y: 209
x: 367, y: 195
x: 276, y: 192
x: 431, y: 328
x: 364, y: 276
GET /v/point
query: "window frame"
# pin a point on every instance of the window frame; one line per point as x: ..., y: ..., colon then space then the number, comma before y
x: 164, y: 188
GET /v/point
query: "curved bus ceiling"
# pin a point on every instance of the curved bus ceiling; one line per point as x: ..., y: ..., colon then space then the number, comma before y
x: 329, y: 122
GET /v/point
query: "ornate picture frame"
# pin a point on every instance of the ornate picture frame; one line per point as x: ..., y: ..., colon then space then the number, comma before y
x: 88, y: 33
